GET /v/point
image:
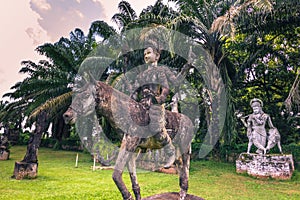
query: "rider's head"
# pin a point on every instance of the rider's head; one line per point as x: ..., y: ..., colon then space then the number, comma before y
x: 151, y: 55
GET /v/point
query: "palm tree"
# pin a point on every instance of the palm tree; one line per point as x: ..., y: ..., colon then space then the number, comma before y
x: 212, y: 24
x: 46, y: 87
x: 125, y: 16
x: 266, y: 46
x: 151, y: 18
x: 46, y: 93
x: 200, y: 16
x: 216, y: 22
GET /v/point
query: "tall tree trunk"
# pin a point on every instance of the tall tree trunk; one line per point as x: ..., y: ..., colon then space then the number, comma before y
x: 28, y: 167
x: 42, y: 125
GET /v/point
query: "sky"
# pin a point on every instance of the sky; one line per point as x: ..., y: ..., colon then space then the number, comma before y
x: 26, y: 24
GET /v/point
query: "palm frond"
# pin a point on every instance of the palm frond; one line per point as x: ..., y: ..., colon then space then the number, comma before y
x: 126, y: 9
x: 52, y: 106
x: 226, y: 24
x: 101, y: 29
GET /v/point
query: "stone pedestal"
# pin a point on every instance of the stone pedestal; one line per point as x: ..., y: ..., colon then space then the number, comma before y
x: 4, y: 154
x: 274, y: 166
x: 25, y: 170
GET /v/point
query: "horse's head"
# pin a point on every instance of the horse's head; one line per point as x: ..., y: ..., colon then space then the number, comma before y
x: 83, y: 103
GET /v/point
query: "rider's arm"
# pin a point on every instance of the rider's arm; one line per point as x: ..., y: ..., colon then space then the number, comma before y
x: 163, y: 96
x: 177, y: 80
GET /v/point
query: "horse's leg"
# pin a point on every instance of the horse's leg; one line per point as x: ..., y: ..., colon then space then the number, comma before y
x: 184, y: 138
x: 128, y: 146
x: 184, y: 174
x: 133, y: 177
x: 122, y: 159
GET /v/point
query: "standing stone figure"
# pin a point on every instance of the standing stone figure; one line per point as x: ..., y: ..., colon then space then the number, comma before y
x: 256, y: 130
x: 274, y: 166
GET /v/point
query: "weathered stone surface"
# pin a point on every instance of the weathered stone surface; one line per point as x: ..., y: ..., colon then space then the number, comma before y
x: 25, y: 170
x: 171, y: 196
x: 4, y: 154
x: 274, y: 166
x: 154, y: 161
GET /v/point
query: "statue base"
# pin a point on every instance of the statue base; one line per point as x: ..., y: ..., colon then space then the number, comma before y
x: 25, y: 170
x: 4, y: 154
x: 171, y: 196
x: 276, y: 166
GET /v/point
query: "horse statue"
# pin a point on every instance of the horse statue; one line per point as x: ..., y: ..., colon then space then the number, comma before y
x: 111, y: 103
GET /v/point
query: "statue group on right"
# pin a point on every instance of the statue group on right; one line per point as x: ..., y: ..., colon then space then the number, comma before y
x: 256, y: 129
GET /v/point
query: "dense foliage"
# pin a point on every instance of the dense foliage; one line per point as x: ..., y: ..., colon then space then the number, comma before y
x: 254, y: 43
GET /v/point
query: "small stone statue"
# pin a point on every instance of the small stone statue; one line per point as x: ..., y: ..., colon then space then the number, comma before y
x: 256, y: 130
x: 4, y: 142
x: 4, y: 145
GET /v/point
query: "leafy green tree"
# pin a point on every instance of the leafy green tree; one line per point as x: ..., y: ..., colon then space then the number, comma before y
x: 214, y: 23
x: 266, y: 57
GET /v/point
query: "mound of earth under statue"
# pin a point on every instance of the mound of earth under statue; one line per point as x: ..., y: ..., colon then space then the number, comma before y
x: 171, y: 196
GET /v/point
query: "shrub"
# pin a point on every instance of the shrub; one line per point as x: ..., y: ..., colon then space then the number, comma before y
x: 294, y: 149
x: 24, y: 138
x: 48, y: 142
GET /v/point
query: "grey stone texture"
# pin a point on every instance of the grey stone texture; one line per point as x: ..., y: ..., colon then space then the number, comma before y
x: 276, y: 166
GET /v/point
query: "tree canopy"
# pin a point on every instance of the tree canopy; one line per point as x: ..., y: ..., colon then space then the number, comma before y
x: 253, y: 43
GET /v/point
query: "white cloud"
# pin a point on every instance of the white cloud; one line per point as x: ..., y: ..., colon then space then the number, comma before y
x: 41, y: 4
x: 66, y: 15
x: 80, y: 14
x: 18, y: 23
x: 36, y: 34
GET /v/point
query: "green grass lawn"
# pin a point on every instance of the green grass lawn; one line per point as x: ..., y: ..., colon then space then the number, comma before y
x: 59, y: 179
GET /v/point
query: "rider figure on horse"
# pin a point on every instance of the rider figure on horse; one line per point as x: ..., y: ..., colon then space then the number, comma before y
x: 154, y: 89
